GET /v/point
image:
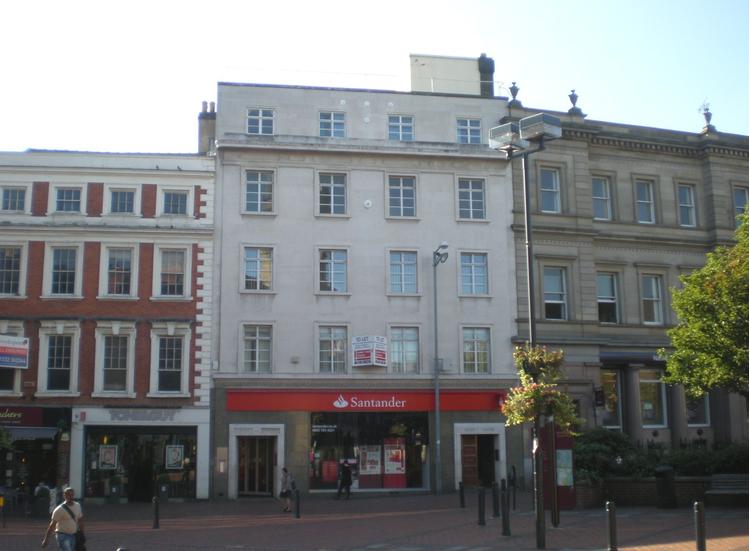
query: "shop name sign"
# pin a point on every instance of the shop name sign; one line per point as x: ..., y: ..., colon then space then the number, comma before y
x: 14, y: 352
x: 369, y: 350
x: 355, y: 402
x: 141, y: 415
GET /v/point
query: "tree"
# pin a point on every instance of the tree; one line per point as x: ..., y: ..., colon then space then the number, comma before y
x: 711, y: 340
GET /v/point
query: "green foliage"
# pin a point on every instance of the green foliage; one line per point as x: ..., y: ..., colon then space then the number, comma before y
x: 541, y: 396
x: 711, y: 341
x: 601, y: 453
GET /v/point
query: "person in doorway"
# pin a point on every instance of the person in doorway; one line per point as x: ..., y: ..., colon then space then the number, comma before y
x: 67, y: 519
x: 288, y: 485
x: 345, y: 481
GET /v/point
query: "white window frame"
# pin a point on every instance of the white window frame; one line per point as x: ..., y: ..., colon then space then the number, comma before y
x: 707, y: 408
x: 618, y: 385
x: 47, y: 278
x: 418, y: 268
x: 689, y: 206
x: 555, y: 191
x: 658, y: 300
x: 471, y: 207
x: 13, y: 328
x: 462, y: 341
x: 104, y: 271
x: 243, y: 273
x: 168, y: 329
x: 318, y: 189
x: 332, y: 248
x: 606, y: 199
x: 114, y: 329
x: 26, y: 198
x: 614, y: 299
x: 52, y: 201
x: 245, y: 184
x: 58, y: 328
x: 472, y: 130
x: 400, y: 327
x: 649, y: 203
x: 347, y: 346
x: 333, y: 131
x: 135, y: 189
x: 400, y: 125
x: 563, y: 270
x: 189, y: 201
x: 739, y: 209
x: 156, y: 279
x: 263, y: 115
x: 473, y: 292
x: 400, y: 188
x: 24, y: 247
x: 662, y: 391
x: 241, y: 349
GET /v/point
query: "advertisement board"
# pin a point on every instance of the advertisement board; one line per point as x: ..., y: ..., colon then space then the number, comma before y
x: 369, y: 350
x: 14, y: 352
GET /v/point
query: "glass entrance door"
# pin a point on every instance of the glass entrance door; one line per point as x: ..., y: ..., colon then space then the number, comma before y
x: 256, y: 465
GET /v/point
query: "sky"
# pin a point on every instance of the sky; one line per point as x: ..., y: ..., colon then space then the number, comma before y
x: 131, y: 76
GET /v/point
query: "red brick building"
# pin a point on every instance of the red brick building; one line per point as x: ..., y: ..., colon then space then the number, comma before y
x: 105, y: 264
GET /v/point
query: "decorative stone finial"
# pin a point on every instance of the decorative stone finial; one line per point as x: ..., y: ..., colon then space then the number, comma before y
x: 576, y: 111
x: 514, y: 92
x: 707, y: 115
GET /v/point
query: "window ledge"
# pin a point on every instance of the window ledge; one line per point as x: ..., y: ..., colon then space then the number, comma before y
x: 13, y: 297
x: 474, y: 220
x: 170, y: 299
x: 404, y: 295
x: 257, y: 292
x: 477, y: 295
x: 116, y: 297
x: 333, y: 216
x: 56, y: 394
x: 167, y: 395
x: 61, y: 297
x: 654, y: 426
x: 250, y: 213
x: 404, y: 218
x: 331, y: 294
x: 10, y: 394
x: 113, y: 394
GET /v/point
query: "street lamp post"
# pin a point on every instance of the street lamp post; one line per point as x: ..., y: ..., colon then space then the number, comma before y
x: 439, y: 256
x: 514, y: 140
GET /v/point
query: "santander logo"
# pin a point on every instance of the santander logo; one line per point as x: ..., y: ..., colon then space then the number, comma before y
x: 340, y: 402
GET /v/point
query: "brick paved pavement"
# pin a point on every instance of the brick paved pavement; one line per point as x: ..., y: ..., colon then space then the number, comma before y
x: 383, y: 523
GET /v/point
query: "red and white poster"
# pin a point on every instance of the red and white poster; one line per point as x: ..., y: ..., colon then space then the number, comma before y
x: 369, y: 460
x: 369, y: 351
x: 394, y: 463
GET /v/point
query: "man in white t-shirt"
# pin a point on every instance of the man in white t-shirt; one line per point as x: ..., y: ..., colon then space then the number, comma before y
x: 63, y: 523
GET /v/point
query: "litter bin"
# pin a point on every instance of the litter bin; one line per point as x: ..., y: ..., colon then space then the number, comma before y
x: 666, y: 493
x: 115, y: 491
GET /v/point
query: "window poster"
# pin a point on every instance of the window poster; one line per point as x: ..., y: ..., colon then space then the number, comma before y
x: 564, y: 464
x: 395, y: 458
x: 108, y: 457
x: 369, y: 460
x: 174, y: 457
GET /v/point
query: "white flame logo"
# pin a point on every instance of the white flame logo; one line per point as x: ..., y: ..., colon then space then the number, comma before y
x: 340, y: 402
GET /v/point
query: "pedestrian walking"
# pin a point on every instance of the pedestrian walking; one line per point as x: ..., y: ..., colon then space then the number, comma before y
x: 345, y: 480
x: 67, y: 524
x: 288, y: 485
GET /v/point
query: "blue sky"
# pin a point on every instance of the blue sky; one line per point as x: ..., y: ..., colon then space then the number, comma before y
x: 130, y: 76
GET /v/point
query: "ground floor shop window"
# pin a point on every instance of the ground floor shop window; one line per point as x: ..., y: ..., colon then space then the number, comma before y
x: 386, y: 450
x: 129, y: 462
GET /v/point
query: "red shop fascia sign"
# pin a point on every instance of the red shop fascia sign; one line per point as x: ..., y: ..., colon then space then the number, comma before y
x: 363, y: 400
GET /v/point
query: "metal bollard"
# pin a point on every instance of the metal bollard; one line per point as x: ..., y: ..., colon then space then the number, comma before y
x: 480, y: 493
x: 504, y: 502
x: 496, y: 500
x: 513, y: 482
x: 611, y: 526
x: 461, y: 495
x: 155, y: 501
x: 296, y: 503
x: 700, y: 526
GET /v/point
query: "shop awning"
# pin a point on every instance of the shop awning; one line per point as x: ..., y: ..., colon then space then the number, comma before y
x: 31, y: 433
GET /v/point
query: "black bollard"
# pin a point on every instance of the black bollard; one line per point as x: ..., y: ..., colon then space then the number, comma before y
x: 496, y: 500
x: 155, y: 501
x: 461, y: 495
x: 700, y: 526
x: 481, y: 507
x: 513, y: 484
x: 296, y: 503
x: 611, y: 526
x: 504, y: 502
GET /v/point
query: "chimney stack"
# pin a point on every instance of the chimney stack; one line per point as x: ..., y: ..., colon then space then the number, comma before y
x: 206, y: 128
